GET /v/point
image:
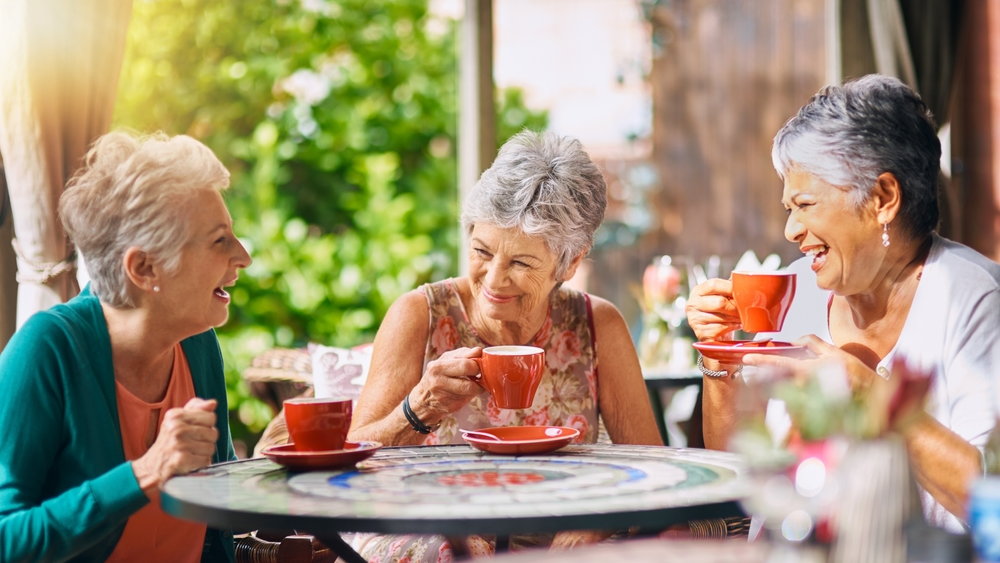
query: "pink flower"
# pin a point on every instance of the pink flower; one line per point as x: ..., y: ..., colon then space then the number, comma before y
x: 565, y: 349
x: 579, y: 422
x: 543, y: 333
x: 498, y: 416
x: 538, y: 418
x: 445, y: 335
x: 661, y: 281
x: 445, y: 553
x: 910, y: 393
x: 591, y: 375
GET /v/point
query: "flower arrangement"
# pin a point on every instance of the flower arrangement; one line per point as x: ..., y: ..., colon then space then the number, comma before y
x: 822, y: 405
x: 665, y: 340
x: 803, y: 482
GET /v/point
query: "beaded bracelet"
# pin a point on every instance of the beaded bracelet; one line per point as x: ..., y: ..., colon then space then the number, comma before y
x: 413, y: 419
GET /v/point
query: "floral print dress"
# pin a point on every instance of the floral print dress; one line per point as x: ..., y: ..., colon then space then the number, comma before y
x: 566, y: 396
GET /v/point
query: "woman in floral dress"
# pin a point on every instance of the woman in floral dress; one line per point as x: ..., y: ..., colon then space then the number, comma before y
x: 530, y: 222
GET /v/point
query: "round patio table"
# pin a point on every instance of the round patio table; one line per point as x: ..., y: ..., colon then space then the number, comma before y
x: 457, y: 490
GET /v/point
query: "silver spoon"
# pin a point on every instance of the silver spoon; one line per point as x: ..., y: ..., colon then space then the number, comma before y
x: 480, y: 435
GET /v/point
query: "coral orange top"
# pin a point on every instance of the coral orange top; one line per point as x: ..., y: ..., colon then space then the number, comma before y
x: 151, y: 534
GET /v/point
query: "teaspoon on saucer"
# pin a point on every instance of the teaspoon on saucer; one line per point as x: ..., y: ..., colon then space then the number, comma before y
x: 476, y: 434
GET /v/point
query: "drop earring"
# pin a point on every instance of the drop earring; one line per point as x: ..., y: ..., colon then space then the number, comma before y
x: 885, y: 235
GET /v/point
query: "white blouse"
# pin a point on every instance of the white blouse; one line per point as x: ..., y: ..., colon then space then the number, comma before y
x: 953, y: 329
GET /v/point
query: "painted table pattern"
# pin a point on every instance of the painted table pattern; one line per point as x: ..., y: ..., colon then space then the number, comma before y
x: 456, y: 489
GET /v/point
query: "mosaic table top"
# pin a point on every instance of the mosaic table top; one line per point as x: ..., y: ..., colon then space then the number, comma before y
x: 456, y: 489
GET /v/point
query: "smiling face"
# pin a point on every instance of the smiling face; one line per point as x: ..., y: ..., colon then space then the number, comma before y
x: 511, y: 274
x: 843, y: 240
x: 194, y: 294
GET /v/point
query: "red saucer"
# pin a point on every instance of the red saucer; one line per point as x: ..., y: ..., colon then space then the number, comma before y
x: 353, y: 452
x: 732, y: 351
x: 516, y: 440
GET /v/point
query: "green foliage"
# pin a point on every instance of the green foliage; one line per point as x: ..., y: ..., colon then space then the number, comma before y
x: 337, y: 119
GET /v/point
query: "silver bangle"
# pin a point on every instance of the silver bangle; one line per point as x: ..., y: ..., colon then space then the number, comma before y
x: 717, y: 374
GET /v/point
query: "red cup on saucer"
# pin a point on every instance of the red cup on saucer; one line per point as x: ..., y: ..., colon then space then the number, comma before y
x: 318, y: 425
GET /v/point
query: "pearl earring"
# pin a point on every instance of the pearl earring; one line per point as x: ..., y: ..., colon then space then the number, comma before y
x: 885, y: 235
x: 156, y: 289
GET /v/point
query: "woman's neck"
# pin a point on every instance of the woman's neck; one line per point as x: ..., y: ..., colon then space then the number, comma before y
x: 520, y: 331
x: 895, y: 287
x: 498, y: 333
x: 141, y: 354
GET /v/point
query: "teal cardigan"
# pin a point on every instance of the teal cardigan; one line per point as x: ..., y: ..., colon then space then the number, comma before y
x: 66, y: 490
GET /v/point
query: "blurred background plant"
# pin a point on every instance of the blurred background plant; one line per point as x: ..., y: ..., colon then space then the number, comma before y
x: 337, y: 119
x: 665, y: 338
x: 800, y: 480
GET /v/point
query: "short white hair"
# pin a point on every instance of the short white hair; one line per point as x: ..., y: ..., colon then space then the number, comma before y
x: 135, y: 191
x: 545, y: 185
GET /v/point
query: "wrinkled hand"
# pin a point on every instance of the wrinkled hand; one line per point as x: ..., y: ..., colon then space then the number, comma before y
x: 573, y: 538
x: 818, y: 354
x: 185, y: 442
x: 449, y: 382
x: 711, y: 311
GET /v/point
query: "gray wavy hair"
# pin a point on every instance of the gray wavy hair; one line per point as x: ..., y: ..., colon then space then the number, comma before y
x: 848, y: 135
x: 135, y: 191
x: 547, y: 186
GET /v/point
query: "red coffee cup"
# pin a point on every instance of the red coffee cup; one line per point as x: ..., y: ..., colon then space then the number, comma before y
x: 318, y: 425
x: 763, y: 299
x: 511, y: 374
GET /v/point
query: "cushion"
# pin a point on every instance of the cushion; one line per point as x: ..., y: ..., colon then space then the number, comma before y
x: 339, y: 372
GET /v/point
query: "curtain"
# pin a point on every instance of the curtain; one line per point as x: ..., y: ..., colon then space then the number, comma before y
x: 916, y: 41
x: 8, y: 284
x: 58, y: 76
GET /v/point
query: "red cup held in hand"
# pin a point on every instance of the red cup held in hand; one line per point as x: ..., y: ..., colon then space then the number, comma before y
x: 511, y: 374
x: 763, y: 299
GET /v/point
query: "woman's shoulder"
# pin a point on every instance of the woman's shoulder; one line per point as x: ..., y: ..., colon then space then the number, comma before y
x: 414, y: 302
x: 79, y: 320
x: 959, y: 264
x: 587, y: 305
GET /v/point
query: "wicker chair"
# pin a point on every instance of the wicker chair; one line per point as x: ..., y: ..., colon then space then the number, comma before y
x: 281, y: 547
x: 278, y: 374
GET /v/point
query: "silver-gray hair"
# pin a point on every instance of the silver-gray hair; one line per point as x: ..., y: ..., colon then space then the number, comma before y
x: 848, y: 135
x: 135, y: 192
x: 547, y: 186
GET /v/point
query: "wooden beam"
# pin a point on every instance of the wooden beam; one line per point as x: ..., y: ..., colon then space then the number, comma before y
x: 477, y: 113
x: 976, y: 129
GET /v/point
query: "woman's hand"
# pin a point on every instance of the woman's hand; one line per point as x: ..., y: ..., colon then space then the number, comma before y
x: 711, y: 311
x: 448, y: 383
x: 820, y: 353
x: 185, y: 442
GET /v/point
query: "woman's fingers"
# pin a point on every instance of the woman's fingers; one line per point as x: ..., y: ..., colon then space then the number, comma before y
x: 185, y: 441
x: 819, y: 353
x: 710, y: 310
x: 450, y: 381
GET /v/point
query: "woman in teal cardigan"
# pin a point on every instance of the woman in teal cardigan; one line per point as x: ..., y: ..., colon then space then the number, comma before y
x: 108, y: 395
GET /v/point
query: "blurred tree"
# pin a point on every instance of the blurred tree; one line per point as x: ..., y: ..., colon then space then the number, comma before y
x: 337, y: 119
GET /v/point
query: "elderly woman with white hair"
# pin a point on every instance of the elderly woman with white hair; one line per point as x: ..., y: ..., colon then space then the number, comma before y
x: 110, y: 394
x: 860, y: 166
x: 530, y: 222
